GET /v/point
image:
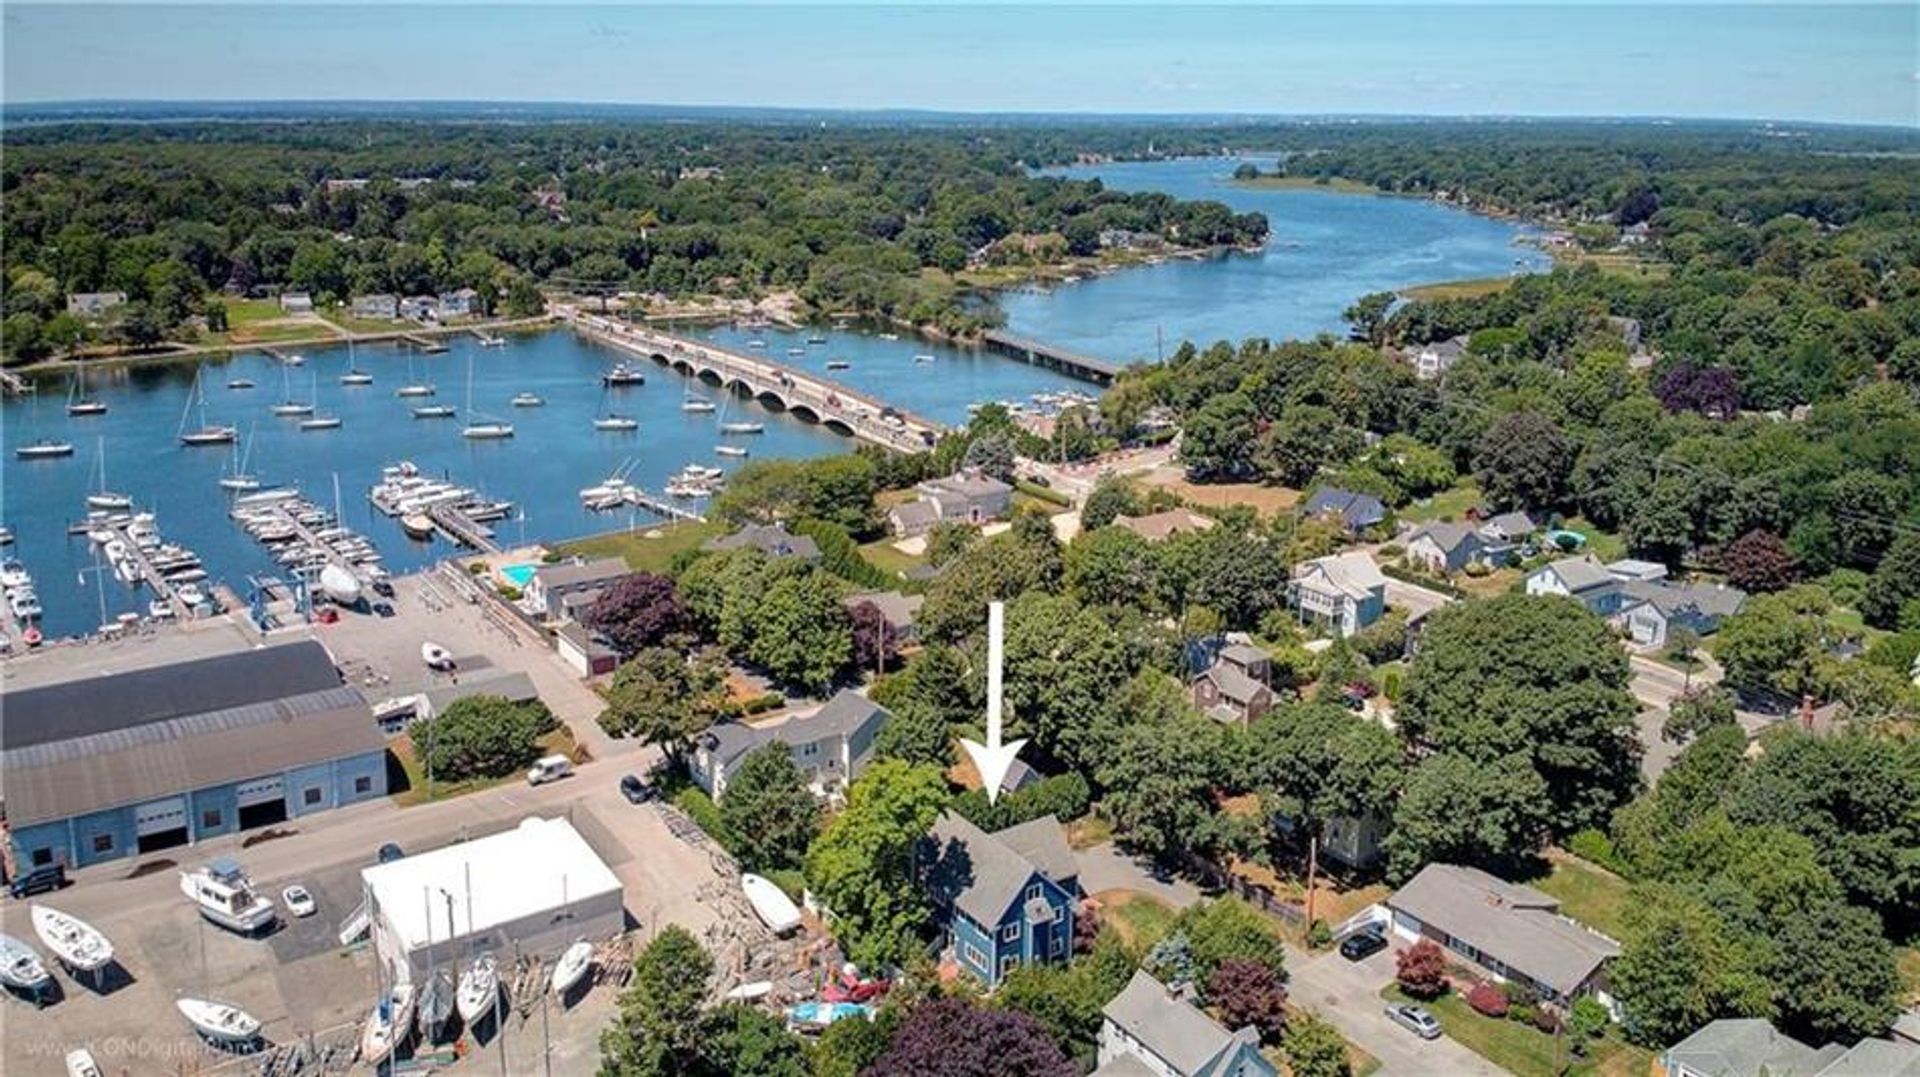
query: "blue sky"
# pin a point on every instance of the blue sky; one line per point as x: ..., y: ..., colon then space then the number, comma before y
x: 1824, y: 62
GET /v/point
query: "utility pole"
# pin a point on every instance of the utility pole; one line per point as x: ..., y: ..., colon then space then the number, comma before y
x: 1313, y: 868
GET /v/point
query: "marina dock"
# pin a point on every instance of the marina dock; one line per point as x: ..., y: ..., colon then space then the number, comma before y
x: 424, y: 343
x: 454, y: 523
x: 163, y: 588
x: 1084, y: 367
x: 659, y: 506
x: 774, y: 384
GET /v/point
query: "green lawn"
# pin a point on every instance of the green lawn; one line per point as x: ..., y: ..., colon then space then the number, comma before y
x: 1588, y: 893
x: 401, y: 755
x: 1909, y: 959
x: 1526, y: 1051
x: 1451, y: 503
x: 1605, y: 545
x: 644, y: 554
x: 244, y: 312
x: 884, y: 557
x: 1141, y: 919
x: 1472, y: 288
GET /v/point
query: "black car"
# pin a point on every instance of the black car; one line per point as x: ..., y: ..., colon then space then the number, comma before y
x: 390, y: 853
x: 384, y: 609
x: 39, y: 880
x: 635, y: 790
x: 383, y: 588
x: 1362, y: 944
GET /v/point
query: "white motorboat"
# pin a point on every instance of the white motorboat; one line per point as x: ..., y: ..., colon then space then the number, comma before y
x: 190, y: 595
x: 417, y: 525
x: 341, y: 586
x: 80, y: 1063
x: 528, y: 400
x: 697, y: 404
x: 572, y: 967
x: 239, y: 483
x: 14, y: 575
x: 612, y: 421
x: 240, y: 383
x: 292, y: 407
x: 321, y: 422
x: 219, y: 1021
x: 26, y: 605
x: 388, y: 1026
x: 796, y: 352
x: 74, y: 941
x: 356, y: 377
x: 435, y: 1004
x: 743, y: 428
x: 436, y: 656
x: 20, y: 967
x: 44, y: 449
x: 489, y: 431
x: 479, y: 990
x: 730, y: 450
x: 623, y: 374
x: 414, y: 390
x: 226, y: 897
x: 433, y: 411
x: 770, y: 903
x: 6, y: 536
x: 923, y: 358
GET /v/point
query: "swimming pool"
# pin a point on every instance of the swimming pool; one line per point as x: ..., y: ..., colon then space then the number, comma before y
x: 519, y: 575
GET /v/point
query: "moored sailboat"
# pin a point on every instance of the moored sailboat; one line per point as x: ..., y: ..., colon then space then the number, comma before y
x: 206, y: 433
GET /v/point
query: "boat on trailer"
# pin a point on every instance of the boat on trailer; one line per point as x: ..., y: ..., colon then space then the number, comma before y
x: 75, y: 942
x: 226, y: 896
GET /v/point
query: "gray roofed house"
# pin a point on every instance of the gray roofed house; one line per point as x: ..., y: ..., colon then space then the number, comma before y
x: 830, y: 746
x: 1510, y: 931
x: 100, y: 767
x: 1233, y: 688
x: 93, y: 304
x: 1508, y: 527
x: 1752, y: 1047
x: 1444, y: 546
x: 1161, y: 526
x: 1581, y: 578
x: 913, y: 517
x: 1146, y: 1025
x: 900, y: 611
x: 559, y: 589
x: 1043, y: 843
x: 774, y: 540
x: 1357, y: 512
x: 963, y: 497
x: 1342, y: 593
x: 1651, y: 609
x: 1435, y: 359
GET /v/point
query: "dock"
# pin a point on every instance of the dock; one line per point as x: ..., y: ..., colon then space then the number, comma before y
x: 776, y: 385
x: 463, y: 529
x: 488, y: 340
x: 424, y: 343
x: 1037, y: 353
x: 660, y: 506
x: 161, y: 586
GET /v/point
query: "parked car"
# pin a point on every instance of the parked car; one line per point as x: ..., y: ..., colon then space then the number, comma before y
x: 383, y: 588
x: 1362, y: 944
x: 391, y: 852
x: 384, y: 609
x: 1415, y: 1019
x: 299, y: 900
x: 38, y: 880
x: 635, y: 790
x: 549, y: 768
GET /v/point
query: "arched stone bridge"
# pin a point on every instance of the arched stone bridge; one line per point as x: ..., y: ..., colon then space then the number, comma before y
x: 775, y: 385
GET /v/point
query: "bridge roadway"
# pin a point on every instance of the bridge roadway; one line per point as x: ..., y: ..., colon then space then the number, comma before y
x: 782, y: 387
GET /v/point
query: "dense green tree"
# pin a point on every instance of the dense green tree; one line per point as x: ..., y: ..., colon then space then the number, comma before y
x: 1315, y: 1048
x: 952, y: 1037
x: 1113, y: 567
x: 1834, y: 976
x: 1523, y: 462
x: 1682, y: 966
x: 1303, y: 441
x: 1227, y: 929
x: 1535, y: 680
x: 768, y: 810
x: 1455, y: 810
x: 1696, y: 711
x: 663, y: 698
x: 1236, y: 573
x: 658, y: 1031
x: 802, y: 633
x: 481, y: 736
x: 1321, y: 762
x: 1112, y: 496
x: 861, y: 866
x: 1159, y: 778
x: 1771, y: 643
x: 1895, y: 583
x: 1000, y: 568
x: 1218, y: 440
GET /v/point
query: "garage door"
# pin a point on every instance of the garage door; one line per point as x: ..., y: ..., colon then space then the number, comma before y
x: 260, y: 791
x: 160, y: 816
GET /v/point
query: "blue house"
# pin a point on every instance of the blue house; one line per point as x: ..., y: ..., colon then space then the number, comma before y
x: 1003, y: 899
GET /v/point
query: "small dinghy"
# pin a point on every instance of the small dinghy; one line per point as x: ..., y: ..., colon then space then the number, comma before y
x: 417, y: 525
x: 436, y: 656
x: 72, y: 940
x: 435, y: 1004
x: 479, y: 990
x: 388, y: 1026
x: 80, y: 1063
x: 220, y: 1022
x: 20, y: 967
x: 770, y: 903
x: 572, y: 967
x: 752, y: 992
x: 528, y: 400
x: 730, y: 450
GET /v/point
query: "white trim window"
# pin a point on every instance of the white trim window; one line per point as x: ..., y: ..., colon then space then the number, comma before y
x: 1010, y: 932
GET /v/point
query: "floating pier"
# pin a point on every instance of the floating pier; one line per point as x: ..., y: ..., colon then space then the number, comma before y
x: 424, y: 343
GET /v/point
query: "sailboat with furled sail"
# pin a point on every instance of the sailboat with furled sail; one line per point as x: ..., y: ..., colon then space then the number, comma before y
x: 354, y: 375
x: 80, y: 402
x: 479, y: 427
x: 206, y: 433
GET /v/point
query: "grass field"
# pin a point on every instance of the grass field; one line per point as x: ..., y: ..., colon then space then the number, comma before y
x: 1588, y: 893
x: 558, y: 742
x: 1449, y: 504
x: 884, y: 557
x: 1473, y: 288
x: 642, y: 552
x: 1526, y: 1051
x: 1605, y: 545
x: 1909, y: 959
x: 1140, y: 919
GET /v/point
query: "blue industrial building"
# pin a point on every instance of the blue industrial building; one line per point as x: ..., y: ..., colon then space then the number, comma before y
x: 98, y: 768
x: 1003, y: 899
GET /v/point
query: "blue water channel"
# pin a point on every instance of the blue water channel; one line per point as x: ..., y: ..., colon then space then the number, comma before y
x: 1325, y: 250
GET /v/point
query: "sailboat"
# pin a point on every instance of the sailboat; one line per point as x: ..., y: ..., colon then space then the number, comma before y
x: 744, y: 426
x: 412, y: 387
x: 435, y: 1005
x: 487, y: 429
x: 205, y: 434
x: 389, y: 1025
x: 354, y: 375
x: 74, y: 941
x: 479, y: 990
x: 572, y: 966
x: 219, y: 1022
x: 78, y: 402
x: 103, y: 498
x: 317, y: 421
x: 240, y: 479
x: 609, y: 419
x: 696, y: 404
x: 288, y: 405
x: 42, y: 448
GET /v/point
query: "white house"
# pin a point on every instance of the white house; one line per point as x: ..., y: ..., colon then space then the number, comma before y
x: 830, y: 746
x: 1443, y: 547
x: 1149, y: 1031
x: 1343, y: 592
x: 1435, y: 359
x: 296, y: 303
x: 1581, y: 578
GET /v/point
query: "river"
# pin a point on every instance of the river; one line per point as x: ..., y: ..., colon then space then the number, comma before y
x: 1325, y: 249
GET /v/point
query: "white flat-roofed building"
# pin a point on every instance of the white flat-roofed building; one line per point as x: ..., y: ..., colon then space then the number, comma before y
x: 538, y: 886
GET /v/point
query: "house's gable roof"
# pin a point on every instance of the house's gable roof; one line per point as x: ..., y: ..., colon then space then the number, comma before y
x: 1358, y: 510
x: 1352, y: 574
x: 1043, y: 843
x: 1875, y: 1058
x: 1182, y: 1036
x: 972, y: 487
x: 1514, y: 924
x: 1233, y: 682
x: 1579, y: 574
x: 1447, y: 535
x: 1160, y: 526
x: 568, y: 573
x: 975, y: 871
x: 913, y: 514
x: 1674, y: 598
x: 1748, y: 1047
x: 771, y: 539
x: 898, y: 609
x: 1511, y: 524
x: 844, y: 714
x: 1244, y: 654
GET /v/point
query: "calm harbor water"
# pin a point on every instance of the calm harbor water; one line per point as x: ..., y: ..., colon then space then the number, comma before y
x: 553, y: 454
x: 1325, y: 249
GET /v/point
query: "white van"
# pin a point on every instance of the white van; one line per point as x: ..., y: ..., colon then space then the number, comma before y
x: 549, y: 768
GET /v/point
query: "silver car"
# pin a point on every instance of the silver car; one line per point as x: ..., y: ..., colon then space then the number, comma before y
x: 1415, y: 1019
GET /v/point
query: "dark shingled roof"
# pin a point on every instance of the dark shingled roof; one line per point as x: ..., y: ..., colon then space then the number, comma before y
x: 91, y: 706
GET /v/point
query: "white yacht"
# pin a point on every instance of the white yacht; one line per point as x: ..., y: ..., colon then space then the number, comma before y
x: 225, y: 895
x: 479, y: 990
x: 74, y: 941
x: 219, y: 1021
x: 20, y: 967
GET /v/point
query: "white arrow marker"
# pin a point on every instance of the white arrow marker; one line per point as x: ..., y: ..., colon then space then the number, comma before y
x: 993, y: 758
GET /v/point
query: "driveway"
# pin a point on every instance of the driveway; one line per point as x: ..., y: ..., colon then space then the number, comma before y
x: 1104, y: 867
x: 1347, y: 994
